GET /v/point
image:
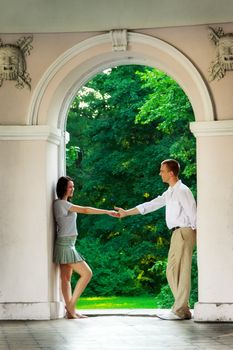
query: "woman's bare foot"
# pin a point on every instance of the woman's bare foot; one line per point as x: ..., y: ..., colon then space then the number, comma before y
x: 70, y: 314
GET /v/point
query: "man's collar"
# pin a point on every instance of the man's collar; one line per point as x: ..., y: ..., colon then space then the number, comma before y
x: 177, y: 184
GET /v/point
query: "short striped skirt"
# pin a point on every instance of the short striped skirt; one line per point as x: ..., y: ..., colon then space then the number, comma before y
x: 65, y: 252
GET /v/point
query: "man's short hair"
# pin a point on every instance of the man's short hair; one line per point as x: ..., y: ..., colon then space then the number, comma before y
x: 172, y: 165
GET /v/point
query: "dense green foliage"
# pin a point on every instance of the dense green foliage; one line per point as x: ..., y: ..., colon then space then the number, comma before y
x: 122, y: 124
x: 119, y: 302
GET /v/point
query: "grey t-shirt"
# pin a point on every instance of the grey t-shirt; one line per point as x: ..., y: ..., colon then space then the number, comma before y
x: 65, y: 219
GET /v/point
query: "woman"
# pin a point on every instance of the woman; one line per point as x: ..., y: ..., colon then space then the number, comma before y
x: 65, y: 253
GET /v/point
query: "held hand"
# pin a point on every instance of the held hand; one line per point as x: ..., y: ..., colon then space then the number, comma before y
x: 113, y: 213
x: 121, y: 212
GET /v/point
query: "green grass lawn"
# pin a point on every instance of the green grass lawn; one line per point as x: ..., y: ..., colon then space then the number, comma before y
x: 138, y: 302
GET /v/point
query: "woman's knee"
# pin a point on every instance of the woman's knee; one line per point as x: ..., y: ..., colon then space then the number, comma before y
x: 89, y: 273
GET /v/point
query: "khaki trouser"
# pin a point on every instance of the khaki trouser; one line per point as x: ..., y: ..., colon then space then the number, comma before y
x: 179, y: 268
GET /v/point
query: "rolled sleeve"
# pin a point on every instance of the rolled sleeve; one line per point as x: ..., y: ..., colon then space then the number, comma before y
x: 141, y: 209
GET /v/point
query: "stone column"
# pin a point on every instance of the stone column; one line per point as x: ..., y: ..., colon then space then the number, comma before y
x: 215, y: 220
x: 29, y: 285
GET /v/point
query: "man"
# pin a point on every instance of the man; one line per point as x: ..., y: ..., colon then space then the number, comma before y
x: 181, y: 220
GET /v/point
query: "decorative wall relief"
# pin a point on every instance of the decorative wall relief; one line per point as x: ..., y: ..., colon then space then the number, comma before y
x: 13, y: 63
x: 224, y: 58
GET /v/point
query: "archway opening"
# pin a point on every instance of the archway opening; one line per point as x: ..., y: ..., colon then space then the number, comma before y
x: 123, y: 122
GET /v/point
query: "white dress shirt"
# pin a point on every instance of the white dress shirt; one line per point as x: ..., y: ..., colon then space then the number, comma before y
x: 180, y: 206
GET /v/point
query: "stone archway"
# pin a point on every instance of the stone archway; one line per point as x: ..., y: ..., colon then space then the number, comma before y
x: 55, y: 91
x: 72, y: 69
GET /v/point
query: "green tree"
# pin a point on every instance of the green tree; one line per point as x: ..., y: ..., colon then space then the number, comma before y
x: 170, y: 108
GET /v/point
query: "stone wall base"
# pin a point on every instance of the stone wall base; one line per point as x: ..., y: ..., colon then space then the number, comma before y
x: 31, y: 311
x: 213, y: 312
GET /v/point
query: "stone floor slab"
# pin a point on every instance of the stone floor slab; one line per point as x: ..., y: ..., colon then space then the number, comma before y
x: 109, y: 331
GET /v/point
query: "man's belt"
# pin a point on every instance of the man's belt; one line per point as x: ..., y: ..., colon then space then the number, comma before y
x: 175, y: 228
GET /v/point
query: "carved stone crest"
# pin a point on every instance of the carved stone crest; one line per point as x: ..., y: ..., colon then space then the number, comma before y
x: 13, y: 63
x: 224, y: 58
x: 119, y: 39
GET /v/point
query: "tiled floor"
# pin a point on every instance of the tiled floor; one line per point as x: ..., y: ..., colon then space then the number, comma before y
x: 107, y: 332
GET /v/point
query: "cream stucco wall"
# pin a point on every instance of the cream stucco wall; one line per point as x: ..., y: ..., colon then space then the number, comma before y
x: 216, y: 241
x: 32, y: 126
x: 23, y: 224
x: 192, y: 41
x: 28, y: 278
x: 215, y: 221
